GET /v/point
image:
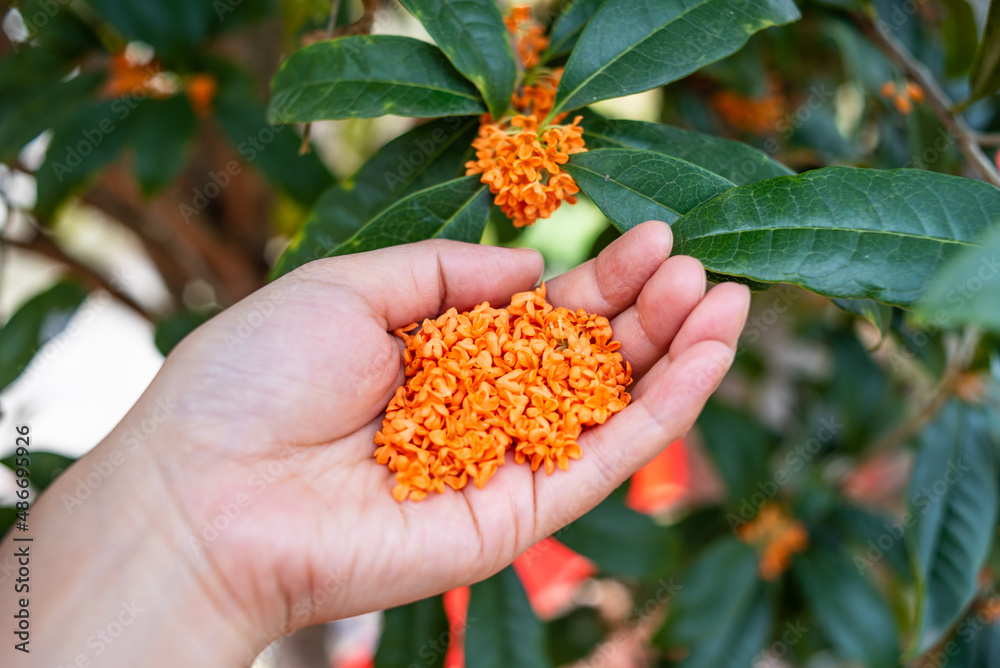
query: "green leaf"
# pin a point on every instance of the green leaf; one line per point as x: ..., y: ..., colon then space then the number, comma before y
x: 455, y: 210
x: 34, y: 324
x: 633, y: 45
x: 984, y: 77
x: 272, y: 149
x: 738, y: 162
x: 473, y: 36
x: 739, y: 447
x: 953, y: 496
x: 966, y: 290
x: 631, y: 186
x: 172, y: 329
x: 418, y: 631
x: 82, y: 146
x: 43, y: 467
x: 173, y: 27
x: 878, y: 536
x: 365, y: 76
x: 621, y: 541
x: 575, y: 635
x: 959, y: 35
x: 58, y: 29
x: 502, y: 629
x: 840, y: 231
x: 877, y: 314
x: 7, y: 518
x: 37, y: 98
x: 848, y: 609
x: 162, y: 138
x: 976, y: 644
x: 573, y: 17
x: 721, y: 612
x: 429, y: 154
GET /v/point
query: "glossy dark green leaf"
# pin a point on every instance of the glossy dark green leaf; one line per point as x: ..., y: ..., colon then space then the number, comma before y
x: 572, y: 18
x: 621, y: 541
x: 163, y: 135
x: 984, y: 77
x: 7, y: 518
x: 502, y: 630
x: 959, y: 35
x: 33, y: 325
x: 172, y: 329
x: 173, y: 27
x: 967, y: 289
x: 721, y: 612
x: 738, y: 162
x: 848, y: 609
x: 37, y: 98
x: 739, y: 447
x: 976, y: 644
x: 954, y: 497
x: 633, y: 45
x: 455, y: 210
x: 429, y: 154
x: 365, y: 76
x: 575, y: 635
x: 631, y: 186
x: 841, y: 232
x: 82, y: 146
x: 878, y: 539
x: 271, y: 149
x: 473, y: 36
x: 43, y: 467
x: 58, y: 28
x: 877, y: 314
x: 414, y: 634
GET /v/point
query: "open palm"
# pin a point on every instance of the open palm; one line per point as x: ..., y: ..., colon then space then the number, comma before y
x: 279, y: 398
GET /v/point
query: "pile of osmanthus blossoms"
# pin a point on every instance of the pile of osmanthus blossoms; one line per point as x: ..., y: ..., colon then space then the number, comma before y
x: 529, y: 377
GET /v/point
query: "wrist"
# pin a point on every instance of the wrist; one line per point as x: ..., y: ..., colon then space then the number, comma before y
x: 112, y: 578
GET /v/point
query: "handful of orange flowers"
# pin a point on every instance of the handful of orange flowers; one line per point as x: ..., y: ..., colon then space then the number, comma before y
x: 529, y: 378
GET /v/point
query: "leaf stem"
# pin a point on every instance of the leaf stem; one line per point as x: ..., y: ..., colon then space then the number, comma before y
x: 937, y: 99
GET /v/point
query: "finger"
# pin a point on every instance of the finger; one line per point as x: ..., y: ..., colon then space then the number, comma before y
x: 611, y: 282
x: 666, y: 402
x: 720, y: 316
x: 646, y: 329
x: 674, y: 394
x: 405, y: 284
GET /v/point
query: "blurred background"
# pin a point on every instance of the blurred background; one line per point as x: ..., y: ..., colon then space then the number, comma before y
x: 180, y: 207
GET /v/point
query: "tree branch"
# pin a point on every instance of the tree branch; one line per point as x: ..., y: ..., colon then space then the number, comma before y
x: 937, y: 99
x: 41, y: 244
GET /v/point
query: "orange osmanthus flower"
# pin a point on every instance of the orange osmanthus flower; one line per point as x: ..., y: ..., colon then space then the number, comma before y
x: 518, y: 157
x: 756, y: 115
x: 201, y: 90
x: 778, y: 537
x: 903, y: 96
x: 526, y: 378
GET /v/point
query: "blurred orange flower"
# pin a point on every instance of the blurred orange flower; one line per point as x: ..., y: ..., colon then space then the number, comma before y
x: 778, y: 537
x: 902, y: 95
x: 756, y: 115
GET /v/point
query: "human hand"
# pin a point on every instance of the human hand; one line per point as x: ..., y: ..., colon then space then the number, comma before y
x: 261, y: 479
